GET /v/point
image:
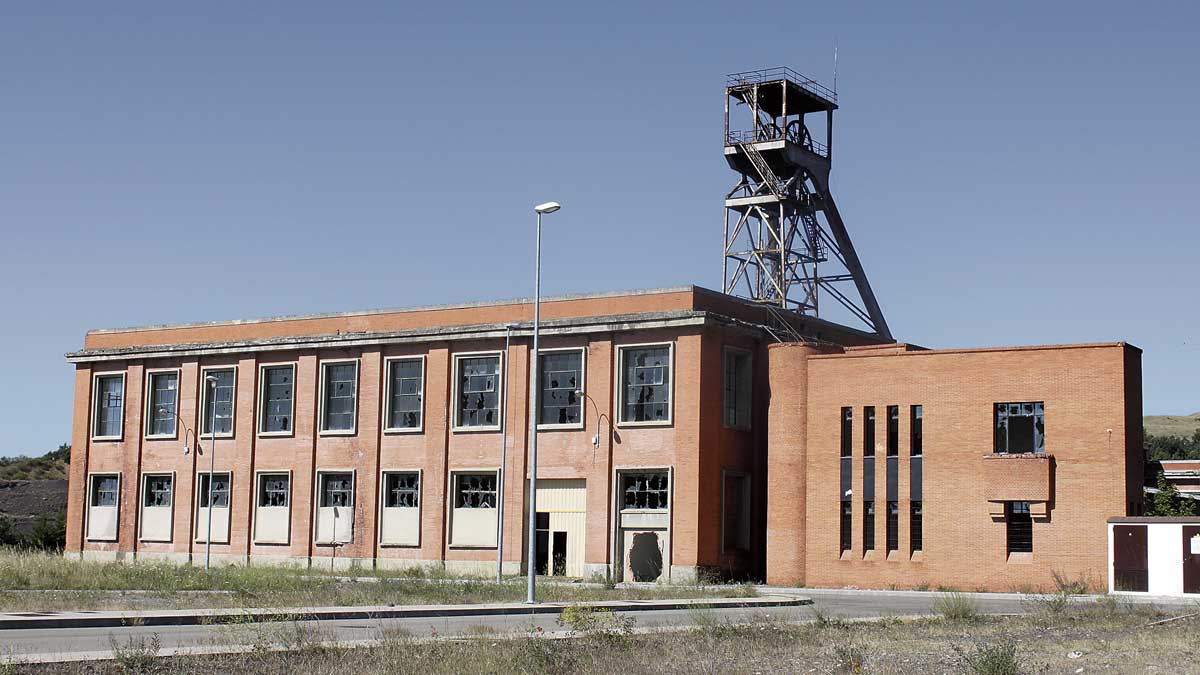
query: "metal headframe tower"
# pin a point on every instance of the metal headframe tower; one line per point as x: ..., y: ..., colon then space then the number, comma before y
x: 785, y: 243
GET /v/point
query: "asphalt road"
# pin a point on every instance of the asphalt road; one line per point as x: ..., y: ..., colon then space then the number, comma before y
x: 83, y: 643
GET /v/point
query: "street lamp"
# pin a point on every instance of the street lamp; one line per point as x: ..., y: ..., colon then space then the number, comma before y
x: 508, y: 328
x: 212, y: 459
x: 531, y: 563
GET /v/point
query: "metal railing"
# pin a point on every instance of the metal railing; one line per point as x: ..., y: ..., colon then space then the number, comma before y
x: 773, y: 133
x: 781, y: 73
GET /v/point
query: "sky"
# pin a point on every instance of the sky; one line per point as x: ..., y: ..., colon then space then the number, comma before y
x: 1010, y: 173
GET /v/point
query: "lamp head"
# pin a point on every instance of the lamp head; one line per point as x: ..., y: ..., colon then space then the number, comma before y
x: 548, y: 207
x: 210, y: 379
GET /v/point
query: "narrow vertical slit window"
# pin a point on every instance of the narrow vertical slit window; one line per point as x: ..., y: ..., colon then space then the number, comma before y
x: 893, y: 430
x: 846, y: 526
x: 868, y: 525
x: 916, y: 430
x: 737, y: 388
x: 847, y: 431
x: 218, y: 402
x: 163, y: 404
x: 893, y: 526
x: 916, y: 539
x: 869, y: 431
x: 847, y: 469
x: 1019, y: 527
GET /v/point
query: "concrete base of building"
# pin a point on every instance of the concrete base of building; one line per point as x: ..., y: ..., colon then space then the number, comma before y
x: 297, y: 561
x: 477, y: 568
x: 162, y: 557
x: 685, y: 574
x: 598, y: 572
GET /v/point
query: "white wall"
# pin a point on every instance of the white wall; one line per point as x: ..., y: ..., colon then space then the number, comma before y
x: 1164, y: 553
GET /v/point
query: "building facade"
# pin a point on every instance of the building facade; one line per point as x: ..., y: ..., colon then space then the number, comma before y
x: 680, y: 431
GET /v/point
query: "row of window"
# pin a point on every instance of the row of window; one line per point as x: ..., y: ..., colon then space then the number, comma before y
x: 644, y: 392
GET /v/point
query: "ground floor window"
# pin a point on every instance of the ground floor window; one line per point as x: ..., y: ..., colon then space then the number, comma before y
x: 915, y: 538
x: 868, y: 526
x: 846, y: 526
x: 893, y: 526
x: 1020, y: 527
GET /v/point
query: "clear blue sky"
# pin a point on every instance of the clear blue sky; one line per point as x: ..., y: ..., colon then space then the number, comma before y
x: 1011, y: 173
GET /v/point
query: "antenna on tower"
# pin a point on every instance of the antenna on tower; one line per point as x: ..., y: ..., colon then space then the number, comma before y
x: 835, y: 66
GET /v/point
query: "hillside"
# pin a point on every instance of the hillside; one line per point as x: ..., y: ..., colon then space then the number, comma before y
x: 1172, y: 425
x: 50, y: 466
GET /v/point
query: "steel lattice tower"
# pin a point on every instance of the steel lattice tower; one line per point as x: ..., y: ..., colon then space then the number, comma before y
x: 785, y: 243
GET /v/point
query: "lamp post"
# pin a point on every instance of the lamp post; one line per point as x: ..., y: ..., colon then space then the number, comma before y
x: 503, y: 461
x: 531, y: 564
x: 212, y: 459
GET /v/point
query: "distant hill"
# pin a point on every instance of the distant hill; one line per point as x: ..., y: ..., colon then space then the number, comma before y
x: 1171, y: 425
x: 50, y: 466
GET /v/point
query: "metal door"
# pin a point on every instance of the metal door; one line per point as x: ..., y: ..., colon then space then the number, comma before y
x: 1129, y: 558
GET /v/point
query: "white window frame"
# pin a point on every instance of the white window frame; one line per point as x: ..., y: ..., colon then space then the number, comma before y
x: 196, y: 508
x: 318, y: 490
x: 452, y: 487
x: 96, y: 404
x: 87, y: 511
x: 261, y: 408
x: 148, y: 394
x: 142, y: 503
x: 387, y: 396
x: 420, y: 504
x: 620, y: 380
x: 233, y: 401
x: 500, y: 399
x: 725, y: 354
x: 582, y: 423
x: 258, y: 474
x: 353, y: 430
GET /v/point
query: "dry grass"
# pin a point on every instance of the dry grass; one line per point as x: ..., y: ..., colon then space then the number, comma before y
x: 1171, y: 425
x: 47, y: 582
x: 1108, y: 638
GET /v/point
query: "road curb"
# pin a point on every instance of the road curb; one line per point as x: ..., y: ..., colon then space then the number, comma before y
x: 50, y: 620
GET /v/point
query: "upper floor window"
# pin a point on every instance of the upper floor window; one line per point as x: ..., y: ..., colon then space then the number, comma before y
x: 869, y: 431
x: 561, y: 375
x: 847, y: 431
x: 893, y: 430
x: 645, y: 491
x: 1020, y: 427
x: 109, y: 406
x: 162, y: 404
x: 405, y: 385
x: 278, y: 387
x: 217, y: 408
x: 339, y: 397
x: 478, y: 384
x: 738, y: 384
x: 916, y: 431
x: 645, y: 384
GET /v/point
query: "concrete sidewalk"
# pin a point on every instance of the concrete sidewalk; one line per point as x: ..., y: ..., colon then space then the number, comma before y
x: 192, y: 617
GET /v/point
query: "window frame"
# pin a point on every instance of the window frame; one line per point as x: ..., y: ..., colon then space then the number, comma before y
x: 258, y: 478
x: 96, y: 404
x: 582, y: 423
x: 142, y: 504
x: 91, y: 486
x: 622, y: 349
x: 148, y: 395
x: 204, y: 494
x: 620, y: 491
x: 198, y: 536
x: 322, y: 371
x: 726, y: 352
x: 1010, y: 509
x: 204, y: 371
x: 319, y: 491
x: 501, y: 398
x: 387, y: 396
x: 1008, y: 427
x: 916, y: 430
x: 458, y: 473
x: 383, y: 473
x: 262, y: 401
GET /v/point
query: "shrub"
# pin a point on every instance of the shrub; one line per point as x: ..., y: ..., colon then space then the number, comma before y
x: 850, y: 658
x: 1000, y: 659
x: 957, y: 607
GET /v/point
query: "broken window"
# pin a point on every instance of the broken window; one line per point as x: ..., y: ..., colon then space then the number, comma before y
x: 220, y: 490
x: 893, y: 526
x: 273, y: 489
x: 561, y: 377
x: 340, y: 396
x: 401, y: 490
x: 110, y: 399
x: 1020, y: 427
x: 1020, y: 527
x: 915, y: 534
x: 104, y: 490
x: 915, y: 438
x: 869, y: 431
x: 405, y: 383
x: 847, y: 431
x: 157, y: 491
x: 893, y: 430
x: 738, y: 385
x: 475, y: 491
x: 478, y: 391
x: 277, y: 399
x: 645, y: 384
x: 868, y: 525
x: 337, y: 489
x: 645, y: 491
x: 220, y: 398
x: 164, y: 388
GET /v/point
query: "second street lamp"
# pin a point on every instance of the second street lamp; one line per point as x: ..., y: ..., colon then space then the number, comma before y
x: 211, y: 383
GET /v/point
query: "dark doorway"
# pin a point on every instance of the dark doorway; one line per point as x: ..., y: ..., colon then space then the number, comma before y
x: 645, y: 557
x: 1191, y: 559
x: 543, y: 542
x: 1129, y: 558
x: 560, y: 554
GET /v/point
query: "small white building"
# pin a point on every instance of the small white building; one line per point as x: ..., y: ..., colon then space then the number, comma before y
x: 1156, y: 556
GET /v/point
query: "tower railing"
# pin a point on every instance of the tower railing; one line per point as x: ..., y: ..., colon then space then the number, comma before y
x: 773, y: 133
x: 782, y: 73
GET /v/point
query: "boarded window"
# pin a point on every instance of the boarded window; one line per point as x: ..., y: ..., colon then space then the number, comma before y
x: 110, y: 400
x: 475, y: 491
x: 157, y: 491
x: 646, y: 384
x: 401, y: 490
x: 561, y: 377
x: 405, y: 384
x: 218, y: 402
x: 478, y: 391
x: 104, y: 490
x: 220, y: 490
x: 341, y: 389
x: 1020, y: 427
x: 337, y: 489
x: 1020, y: 527
x: 164, y: 390
x: 273, y: 489
x: 738, y: 386
x: 278, y: 387
x: 645, y: 491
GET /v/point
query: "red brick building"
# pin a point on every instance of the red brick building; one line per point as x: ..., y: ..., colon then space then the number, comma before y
x: 677, y: 434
